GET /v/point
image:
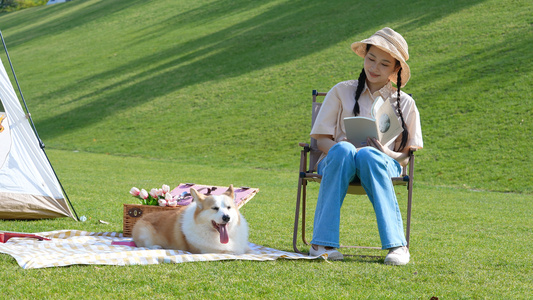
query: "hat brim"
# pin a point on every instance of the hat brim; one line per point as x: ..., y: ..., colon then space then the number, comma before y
x: 360, y: 49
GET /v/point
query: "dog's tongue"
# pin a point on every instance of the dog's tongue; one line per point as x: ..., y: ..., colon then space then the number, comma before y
x: 223, y: 230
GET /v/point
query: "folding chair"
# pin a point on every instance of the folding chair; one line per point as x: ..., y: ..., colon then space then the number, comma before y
x: 308, y: 160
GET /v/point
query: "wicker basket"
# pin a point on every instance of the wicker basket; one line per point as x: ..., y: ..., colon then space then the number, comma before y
x: 133, y: 212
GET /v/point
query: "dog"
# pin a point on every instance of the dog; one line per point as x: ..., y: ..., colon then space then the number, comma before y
x: 209, y: 224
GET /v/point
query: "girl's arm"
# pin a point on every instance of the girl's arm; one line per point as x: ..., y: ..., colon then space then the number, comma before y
x: 325, y: 142
x: 401, y: 157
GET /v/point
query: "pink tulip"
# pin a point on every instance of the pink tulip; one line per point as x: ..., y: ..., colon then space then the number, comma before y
x: 172, y: 203
x: 165, y: 189
x: 162, y: 202
x: 135, y: 191
x: 143, y: 194
x: 154, y: 193
x: 169, y: 197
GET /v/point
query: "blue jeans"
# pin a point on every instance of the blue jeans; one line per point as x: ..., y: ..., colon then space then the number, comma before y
x: 374, y: 169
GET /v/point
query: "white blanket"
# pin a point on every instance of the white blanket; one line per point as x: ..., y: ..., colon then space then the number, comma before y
x: 73, y: 247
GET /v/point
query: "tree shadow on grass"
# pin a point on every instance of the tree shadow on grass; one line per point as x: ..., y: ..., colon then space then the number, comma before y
x: 55, y: 19
x: 284, y: 32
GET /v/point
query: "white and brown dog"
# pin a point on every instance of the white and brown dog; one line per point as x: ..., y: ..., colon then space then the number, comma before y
x: 210, y: 224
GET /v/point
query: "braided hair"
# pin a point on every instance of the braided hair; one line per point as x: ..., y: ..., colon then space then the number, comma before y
x: 361, y: 85
x: 405, y: 133
x: 358, y: 91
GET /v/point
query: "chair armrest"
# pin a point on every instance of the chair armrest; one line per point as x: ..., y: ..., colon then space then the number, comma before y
x: 306, y: 147
x: 410, y: 160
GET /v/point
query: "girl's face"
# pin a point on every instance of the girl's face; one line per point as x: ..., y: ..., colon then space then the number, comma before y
x: 379, y: 65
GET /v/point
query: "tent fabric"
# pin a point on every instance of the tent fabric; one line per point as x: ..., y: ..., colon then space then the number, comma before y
x: 26, y: 206
x: 5, y: 139
x: 28, y: 185
x: 74, y: 247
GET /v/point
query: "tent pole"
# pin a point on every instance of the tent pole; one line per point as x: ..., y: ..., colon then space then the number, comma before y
x: 41, y: 144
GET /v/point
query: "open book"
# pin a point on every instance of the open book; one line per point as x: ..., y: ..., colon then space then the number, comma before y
x: 384, y: 125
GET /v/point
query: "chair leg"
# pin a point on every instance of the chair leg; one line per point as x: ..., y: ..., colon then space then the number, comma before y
x: 409, y: 203
x: 296, y: 216
x: 409, y: 197
x: 302, y: 188
x: 304, y: 206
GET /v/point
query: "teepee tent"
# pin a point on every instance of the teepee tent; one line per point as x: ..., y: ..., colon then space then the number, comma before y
x: 29, y: 188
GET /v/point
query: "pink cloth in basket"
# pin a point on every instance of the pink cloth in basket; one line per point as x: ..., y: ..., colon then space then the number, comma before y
x: 242, y: 194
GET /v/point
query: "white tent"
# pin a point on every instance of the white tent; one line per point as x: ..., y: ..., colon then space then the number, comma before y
x: 29, y: 188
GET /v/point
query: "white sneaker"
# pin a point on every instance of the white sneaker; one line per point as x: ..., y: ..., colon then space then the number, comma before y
x: 332, y: 253
x: 397, y: 256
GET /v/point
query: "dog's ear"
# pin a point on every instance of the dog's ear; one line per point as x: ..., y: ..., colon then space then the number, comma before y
x: 230, y: 192
x: 199, y: 198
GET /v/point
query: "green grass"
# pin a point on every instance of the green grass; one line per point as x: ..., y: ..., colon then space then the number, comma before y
x: 232, y: 79
x: 141, y: 93
x: 464, y: 244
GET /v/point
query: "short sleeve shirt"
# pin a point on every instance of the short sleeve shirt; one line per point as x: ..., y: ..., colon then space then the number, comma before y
x: 340, y: 100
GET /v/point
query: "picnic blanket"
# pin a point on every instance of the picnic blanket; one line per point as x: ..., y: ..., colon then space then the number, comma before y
x: 74, y: 247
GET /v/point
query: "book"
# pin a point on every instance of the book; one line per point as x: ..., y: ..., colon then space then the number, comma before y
x: 383, y: 125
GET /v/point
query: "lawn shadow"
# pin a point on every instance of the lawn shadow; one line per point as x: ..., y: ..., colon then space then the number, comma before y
x: 56, y: 19
x: 278, y: 35
x: 371, y: 259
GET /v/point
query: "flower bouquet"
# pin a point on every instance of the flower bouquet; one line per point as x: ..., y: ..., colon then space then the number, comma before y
x: 161, y: 197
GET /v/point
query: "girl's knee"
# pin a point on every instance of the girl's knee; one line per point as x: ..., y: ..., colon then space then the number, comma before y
x: 340, y: 159
x: 343, y: 149
x: 368, y: 156
x: 368, y: 152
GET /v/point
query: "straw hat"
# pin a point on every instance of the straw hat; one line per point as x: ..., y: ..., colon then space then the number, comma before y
x: 393, y: 43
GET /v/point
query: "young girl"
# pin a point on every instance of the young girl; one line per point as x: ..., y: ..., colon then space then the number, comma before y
x: 385, y: 54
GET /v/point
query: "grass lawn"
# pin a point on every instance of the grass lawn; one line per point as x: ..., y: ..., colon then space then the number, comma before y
x: 464, y: 244
x: 144, y: 93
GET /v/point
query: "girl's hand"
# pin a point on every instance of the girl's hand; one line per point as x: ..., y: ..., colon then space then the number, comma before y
x: 373, y: 142
x: 401, y: 157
